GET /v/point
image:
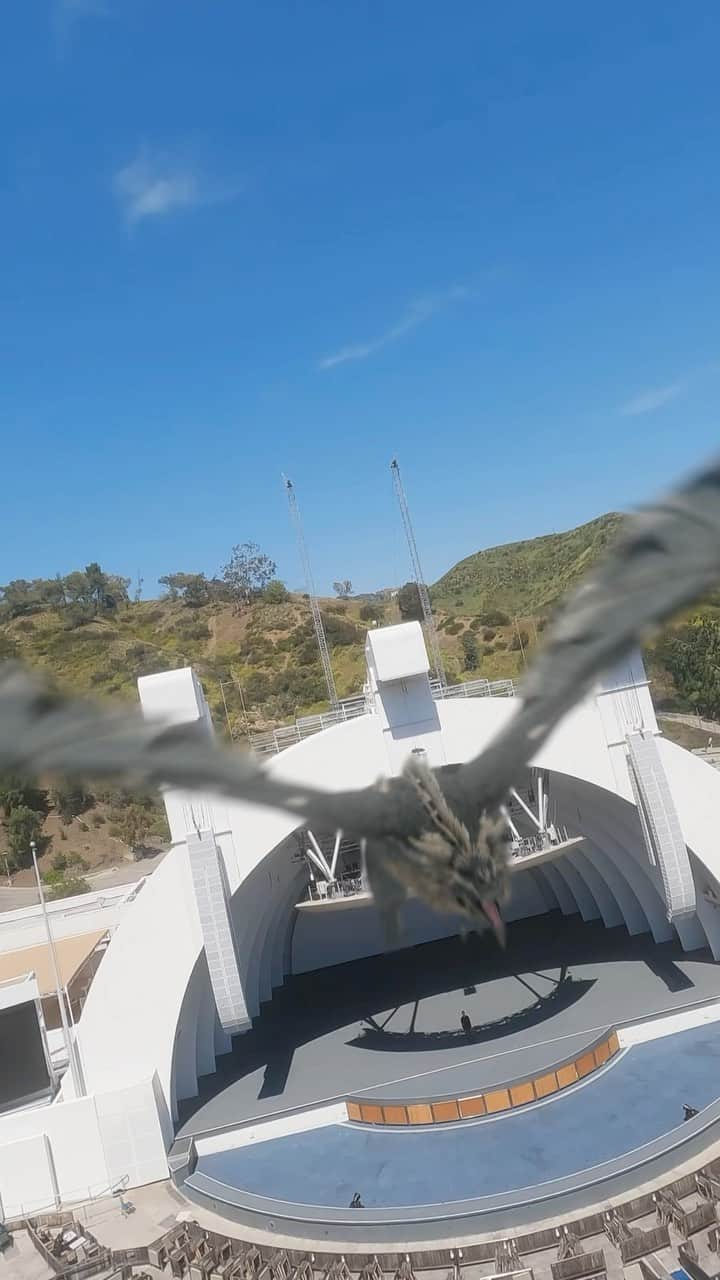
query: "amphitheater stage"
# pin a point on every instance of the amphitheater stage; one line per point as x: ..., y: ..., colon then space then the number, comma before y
x: 389, y: 1025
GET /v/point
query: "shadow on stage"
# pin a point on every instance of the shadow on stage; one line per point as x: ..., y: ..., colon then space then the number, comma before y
x: 565, y: 992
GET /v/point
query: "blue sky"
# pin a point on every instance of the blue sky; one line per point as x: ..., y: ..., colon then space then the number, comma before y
x: 240, y: 238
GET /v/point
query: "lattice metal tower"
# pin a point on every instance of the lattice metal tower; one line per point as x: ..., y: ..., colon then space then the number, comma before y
x: 310, y: 588
x: 430, y: 628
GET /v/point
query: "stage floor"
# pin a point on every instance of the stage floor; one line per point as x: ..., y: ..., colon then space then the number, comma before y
x: 389, y: 1025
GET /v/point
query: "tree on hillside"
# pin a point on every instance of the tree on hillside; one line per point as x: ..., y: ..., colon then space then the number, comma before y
x: 470, y: 651
x: 90, y: 589
x: 97, y: 585
x: 343, y: 588
x: 409, y: 603
x: 276, y: 592
x: 192, y: 588
x: 20, y: 597
x: 69, y: 799
x: 247, y: 573
x: 23, y: 825
x: 134, y: 825
x: 15, y: 792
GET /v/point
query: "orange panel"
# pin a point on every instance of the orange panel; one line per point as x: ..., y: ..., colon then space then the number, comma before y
x: 613, y: 1043
x: 420, y: 1113
x: 602, y: 1053
x: 567, y: 1075
x: 498, y: 1100
x: 370, y: 1113
x: 472, y: 1107
x: 520, y: 1094
x: 395, y: 1115
x: 545, y: 1085
x: 585, y: 1065
x: 354, y: 1111
x: 443, y: 1111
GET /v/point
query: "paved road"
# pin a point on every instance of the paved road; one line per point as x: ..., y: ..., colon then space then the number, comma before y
x: 124, y: 873
x: 695, y: 721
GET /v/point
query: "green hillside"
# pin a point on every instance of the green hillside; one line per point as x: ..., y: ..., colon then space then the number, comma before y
x: 525, y: 577
x: 255, y: 649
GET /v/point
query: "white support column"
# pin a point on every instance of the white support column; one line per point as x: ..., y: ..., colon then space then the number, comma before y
x: 511, y: 825
x: 336, y: 853
x: 541, y: 799
x: 527, y: 809
x: 318, y: 857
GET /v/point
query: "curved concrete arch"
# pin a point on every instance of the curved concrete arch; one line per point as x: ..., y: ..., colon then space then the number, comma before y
x: 545, y: 889
x: 184, y: 1067
x: 601, y: 890
x: 634, y: 917
x: 564, y: 894
x: 637, y: 876
x: 274, y: 948
x: 205, y: 1042
x: 589, y: 909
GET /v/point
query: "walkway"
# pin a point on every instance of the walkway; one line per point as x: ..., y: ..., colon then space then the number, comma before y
x: 13, y: 897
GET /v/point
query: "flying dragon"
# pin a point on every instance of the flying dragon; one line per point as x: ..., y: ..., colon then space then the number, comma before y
x: 438, y: 835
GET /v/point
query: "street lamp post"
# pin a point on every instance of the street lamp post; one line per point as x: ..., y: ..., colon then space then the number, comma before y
x: 73, y: 1061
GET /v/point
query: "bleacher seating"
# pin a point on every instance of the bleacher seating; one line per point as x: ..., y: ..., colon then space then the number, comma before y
x: 636, y: 1230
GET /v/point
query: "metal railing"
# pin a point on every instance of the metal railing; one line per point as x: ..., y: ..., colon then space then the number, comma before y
x: 275, y: 740
x: 324, y: 891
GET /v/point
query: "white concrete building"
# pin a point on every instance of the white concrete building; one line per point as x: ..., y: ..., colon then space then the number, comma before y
x: 619, y: 824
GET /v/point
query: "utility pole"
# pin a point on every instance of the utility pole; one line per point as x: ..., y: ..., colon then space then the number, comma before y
x: 70, y: 1046
x: 310, y: 588
x: 518, y: 633
x: 430, y: 629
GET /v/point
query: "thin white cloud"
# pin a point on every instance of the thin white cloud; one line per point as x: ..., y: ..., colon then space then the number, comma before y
x: 66, y: 14
x: 416, y: 314
x: 154, y: 185
x: 653, y: 398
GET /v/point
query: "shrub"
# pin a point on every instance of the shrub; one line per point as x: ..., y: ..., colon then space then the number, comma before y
x: 339, y: 631
x: 69, y: 799
x: 194, y: 631
x: 68, y: 887
x: 276, y: 592
x: 408, y: 598
x: 23, y: 825
x: 59, y: 862
x: 470, y: 651
x: 454, y: 628
x: 519, y: 641
x: 372, y: 613
x: 97, y: 820
x: 489, y: 633
x: 495, y: 618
